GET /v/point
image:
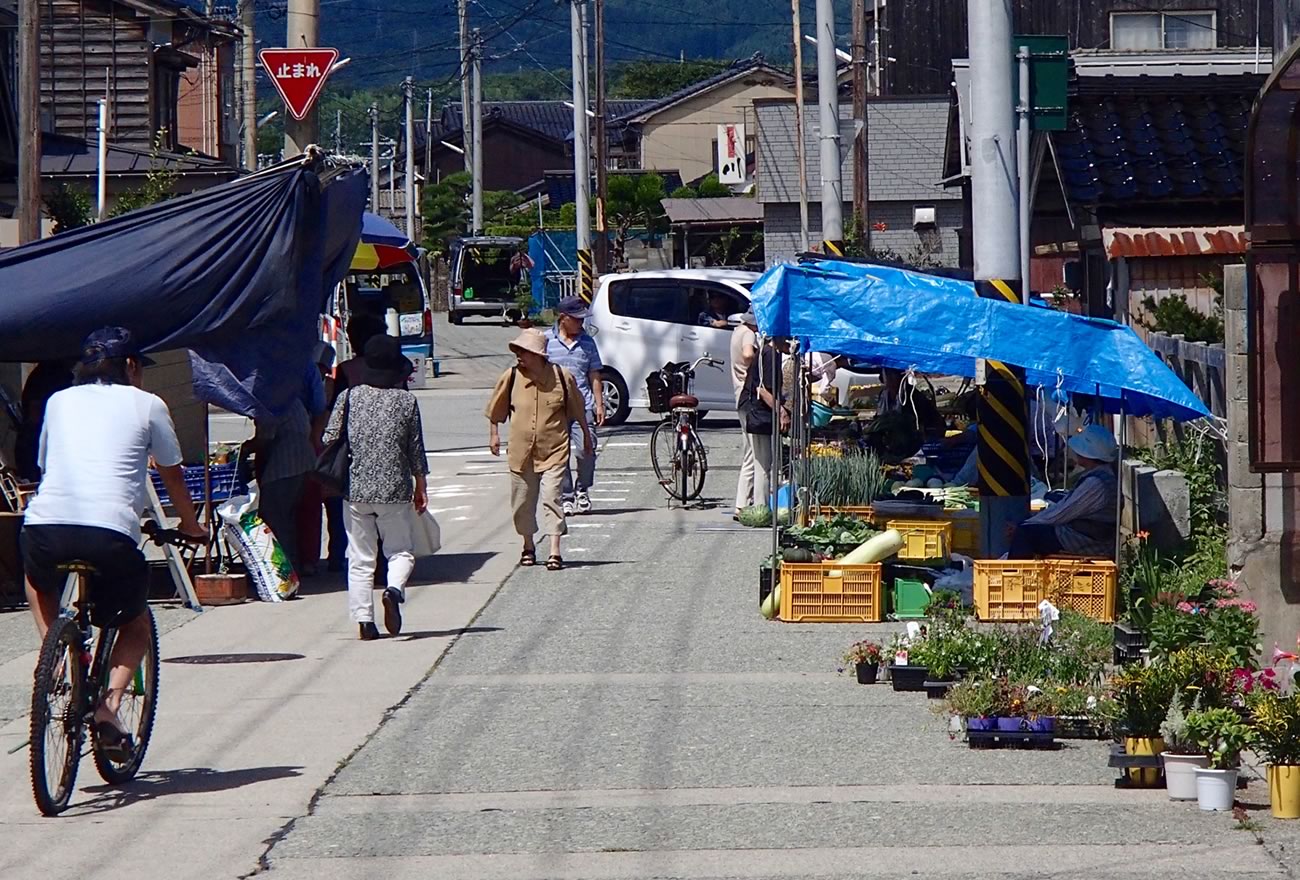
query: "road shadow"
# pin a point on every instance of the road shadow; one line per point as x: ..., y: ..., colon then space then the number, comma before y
x: 571, y: 563
x: 613, y: 511
x: 445, y: 633
x: 449, y: 568
x: 188, y: 780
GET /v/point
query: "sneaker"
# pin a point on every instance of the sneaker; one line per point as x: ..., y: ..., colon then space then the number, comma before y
x: 584, y: 502
x: 392, y: 611
x: 368, y: 631
x: 568, y: 508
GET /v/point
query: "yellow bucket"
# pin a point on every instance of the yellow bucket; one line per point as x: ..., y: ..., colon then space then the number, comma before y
x: 1144, y: 777
x: 1284, y: 791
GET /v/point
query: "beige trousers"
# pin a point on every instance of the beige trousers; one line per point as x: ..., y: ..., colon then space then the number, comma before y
x: 530, y: 486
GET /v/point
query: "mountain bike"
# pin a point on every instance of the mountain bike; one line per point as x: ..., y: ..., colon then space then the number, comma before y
x: 677, y: 454
x: 71, y: 678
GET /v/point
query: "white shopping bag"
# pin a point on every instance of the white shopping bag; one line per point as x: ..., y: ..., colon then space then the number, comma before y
x: 426, y: 537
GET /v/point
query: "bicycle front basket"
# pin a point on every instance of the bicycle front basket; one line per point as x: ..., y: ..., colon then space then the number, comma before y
x: 657, y: 391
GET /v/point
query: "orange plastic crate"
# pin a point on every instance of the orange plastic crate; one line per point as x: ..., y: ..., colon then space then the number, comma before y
x: 829, y: 592
x: 923, y: 540
x: 1009, y: 589
x: 1089, y: 587
x: 864, y: 513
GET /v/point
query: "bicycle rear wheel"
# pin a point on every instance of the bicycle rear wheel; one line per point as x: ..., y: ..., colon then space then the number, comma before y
x: 139, y: 705
x: 58, y: 698
x: 691, y: 467
x: 663, y: 452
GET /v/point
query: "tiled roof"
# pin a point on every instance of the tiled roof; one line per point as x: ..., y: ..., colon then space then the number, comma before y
x: 1135, y: 140
x: 554, y: 119
x: 1190, y: 242
x: 61, y: 155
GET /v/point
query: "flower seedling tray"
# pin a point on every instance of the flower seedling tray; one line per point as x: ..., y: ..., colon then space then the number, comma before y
x: 1005, y: 739
x: 1129, y: 643
x: 1068, y: 727
x: 908, y: 678
x: 937, y: 690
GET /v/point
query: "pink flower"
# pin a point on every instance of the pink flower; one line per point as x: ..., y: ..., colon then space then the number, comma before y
x: 1245, y: 605
x: 1186, y: 607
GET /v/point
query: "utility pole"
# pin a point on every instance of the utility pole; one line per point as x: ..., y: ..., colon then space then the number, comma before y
x: 602, y: 144
x: 248, y: 73
x: 1003, y: 453
x: 29, y: 121
x: 302, y: 31
x: 374, y: 157
x: 1286, y: 26
x: 466, y: 125
x: 800, y: 148
x: 581, y: 150
x: 428, y: 135
x: 861, y: 185
x: 476, y: 97
x: 828, y: 101
x: 408, y: 93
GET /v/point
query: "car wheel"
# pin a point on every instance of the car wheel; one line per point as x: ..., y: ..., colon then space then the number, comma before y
x: 616, y: 400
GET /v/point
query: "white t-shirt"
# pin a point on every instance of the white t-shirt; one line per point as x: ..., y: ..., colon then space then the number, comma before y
x: 94, y: 456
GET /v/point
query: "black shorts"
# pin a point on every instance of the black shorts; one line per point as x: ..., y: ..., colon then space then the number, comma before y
x: 119, y: 588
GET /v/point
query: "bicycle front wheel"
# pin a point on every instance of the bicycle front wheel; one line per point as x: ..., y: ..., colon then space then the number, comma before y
x: 663, y: 452
x: 58, y: 697
x: 691, y: 467
x: 139, y: 704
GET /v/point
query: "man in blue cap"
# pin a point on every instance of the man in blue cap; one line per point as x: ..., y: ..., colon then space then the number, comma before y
x: 569, y: 346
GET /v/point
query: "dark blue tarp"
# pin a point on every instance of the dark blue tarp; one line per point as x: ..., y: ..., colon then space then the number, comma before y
x: 236, y: 274
x: 938, y: 325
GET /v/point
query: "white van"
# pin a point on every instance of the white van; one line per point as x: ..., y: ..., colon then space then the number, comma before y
x: 643, y: 320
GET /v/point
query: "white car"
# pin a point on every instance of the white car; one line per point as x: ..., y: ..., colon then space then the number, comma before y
x: 643, y: 320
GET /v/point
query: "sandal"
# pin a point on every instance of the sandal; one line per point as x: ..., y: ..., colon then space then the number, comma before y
x: 528, y: 558
x: 115, y: 743
x: 554, y: 563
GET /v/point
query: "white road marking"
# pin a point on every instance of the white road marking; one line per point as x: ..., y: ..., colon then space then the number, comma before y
x: 436, y: 510
x: 574, y: 525
x: 461, y: 518
x: 576, y: 550
x: 625, y: 445
x: 464, y: 453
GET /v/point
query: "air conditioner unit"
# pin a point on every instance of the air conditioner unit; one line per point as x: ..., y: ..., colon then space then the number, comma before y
x: 923, y: 216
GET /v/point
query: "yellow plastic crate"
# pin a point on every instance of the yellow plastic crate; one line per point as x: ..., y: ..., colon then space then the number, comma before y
x: 1086, y: 586
x: 828, y: 592
x: 1009, y: 589
x: 965, y: 532
x: 923, y: 540
x: 865, y: 513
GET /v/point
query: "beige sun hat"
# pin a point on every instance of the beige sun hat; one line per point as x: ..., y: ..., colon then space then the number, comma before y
x: 530, y: 341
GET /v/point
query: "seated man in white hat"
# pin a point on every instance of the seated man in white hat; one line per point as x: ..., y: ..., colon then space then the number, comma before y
x: 1083, y: 522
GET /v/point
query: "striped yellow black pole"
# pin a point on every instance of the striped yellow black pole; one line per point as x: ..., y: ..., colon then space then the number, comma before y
x: 832, y: 248
x: 586, y: 276
x: 1003, y: 448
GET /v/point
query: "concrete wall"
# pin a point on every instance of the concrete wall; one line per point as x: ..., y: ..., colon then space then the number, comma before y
x: 1157, y: 502
x: 781, y: 230
x: 172, y: 380
x: 1262, y: 548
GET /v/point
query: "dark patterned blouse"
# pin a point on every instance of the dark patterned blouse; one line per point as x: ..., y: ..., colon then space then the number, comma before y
x: 387, y: 443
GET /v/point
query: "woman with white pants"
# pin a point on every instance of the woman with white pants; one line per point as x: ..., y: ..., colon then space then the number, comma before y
x: 386, y: 477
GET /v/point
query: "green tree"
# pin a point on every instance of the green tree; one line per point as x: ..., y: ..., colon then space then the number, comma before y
x: 159, y: 184
x: 634, y: 200
x: 69, y: 208
x: 655, y: 79
x: 446, y: 211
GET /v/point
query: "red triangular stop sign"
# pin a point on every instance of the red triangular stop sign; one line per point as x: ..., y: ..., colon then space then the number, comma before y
x: 299, y: 75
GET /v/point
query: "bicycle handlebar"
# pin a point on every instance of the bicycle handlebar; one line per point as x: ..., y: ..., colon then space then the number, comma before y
x: 162, y: 537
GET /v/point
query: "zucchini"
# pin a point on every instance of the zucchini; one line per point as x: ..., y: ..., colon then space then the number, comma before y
x: 876, y: 549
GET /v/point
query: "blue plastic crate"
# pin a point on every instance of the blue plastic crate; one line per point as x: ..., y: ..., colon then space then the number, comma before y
x: 225, y: 483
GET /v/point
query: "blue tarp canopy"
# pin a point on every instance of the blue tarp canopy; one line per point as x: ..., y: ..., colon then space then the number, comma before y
x: 909, y: 320
x: 236, y: 274
x: 377, y: 230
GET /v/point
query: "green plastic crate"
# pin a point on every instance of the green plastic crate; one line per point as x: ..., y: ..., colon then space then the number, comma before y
x: 909, y: 598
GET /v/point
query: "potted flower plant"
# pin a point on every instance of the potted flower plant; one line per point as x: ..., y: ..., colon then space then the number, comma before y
x: 864, y: 657
x: 1221, y: 735
x: 1040, y: 710
x: 1276, y: 721
x: 1140, y: 696
x: 976, y: 701
x: 906, y: 671
x: 1181, y: 757
x: 1011, y: 706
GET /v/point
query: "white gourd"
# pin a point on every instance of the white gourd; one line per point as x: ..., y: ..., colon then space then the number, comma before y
x: 876, y: 549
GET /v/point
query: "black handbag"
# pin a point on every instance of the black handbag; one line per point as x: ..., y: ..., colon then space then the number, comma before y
x: 335, y: 460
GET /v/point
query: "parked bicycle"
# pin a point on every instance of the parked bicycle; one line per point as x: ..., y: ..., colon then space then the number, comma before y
x: 71, y: 678
x: 677, y: 454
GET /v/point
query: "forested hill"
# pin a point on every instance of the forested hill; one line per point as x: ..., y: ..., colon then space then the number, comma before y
x: 389, y: 39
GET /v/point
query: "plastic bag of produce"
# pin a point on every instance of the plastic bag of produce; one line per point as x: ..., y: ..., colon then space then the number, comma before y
x: 252, y: 539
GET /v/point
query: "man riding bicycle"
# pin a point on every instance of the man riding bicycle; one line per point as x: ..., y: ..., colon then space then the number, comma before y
x: 94, y: 456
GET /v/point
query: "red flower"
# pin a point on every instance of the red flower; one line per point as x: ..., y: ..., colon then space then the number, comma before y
x: 879, y: 226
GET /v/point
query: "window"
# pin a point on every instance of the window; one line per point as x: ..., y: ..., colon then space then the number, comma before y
x: 1146, y: 31
x: 702, y: 297
x: 651, y: 300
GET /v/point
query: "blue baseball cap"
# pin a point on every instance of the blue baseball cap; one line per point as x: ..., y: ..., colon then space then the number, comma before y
x: 574, y: 307
x: 112, y: 343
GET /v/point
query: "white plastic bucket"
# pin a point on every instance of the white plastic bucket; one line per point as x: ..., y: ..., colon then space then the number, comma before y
x: 1180, y: 774
x: 1215, y: 789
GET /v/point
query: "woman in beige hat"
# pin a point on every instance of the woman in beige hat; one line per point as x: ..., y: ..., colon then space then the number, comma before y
x: 540, y: 400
